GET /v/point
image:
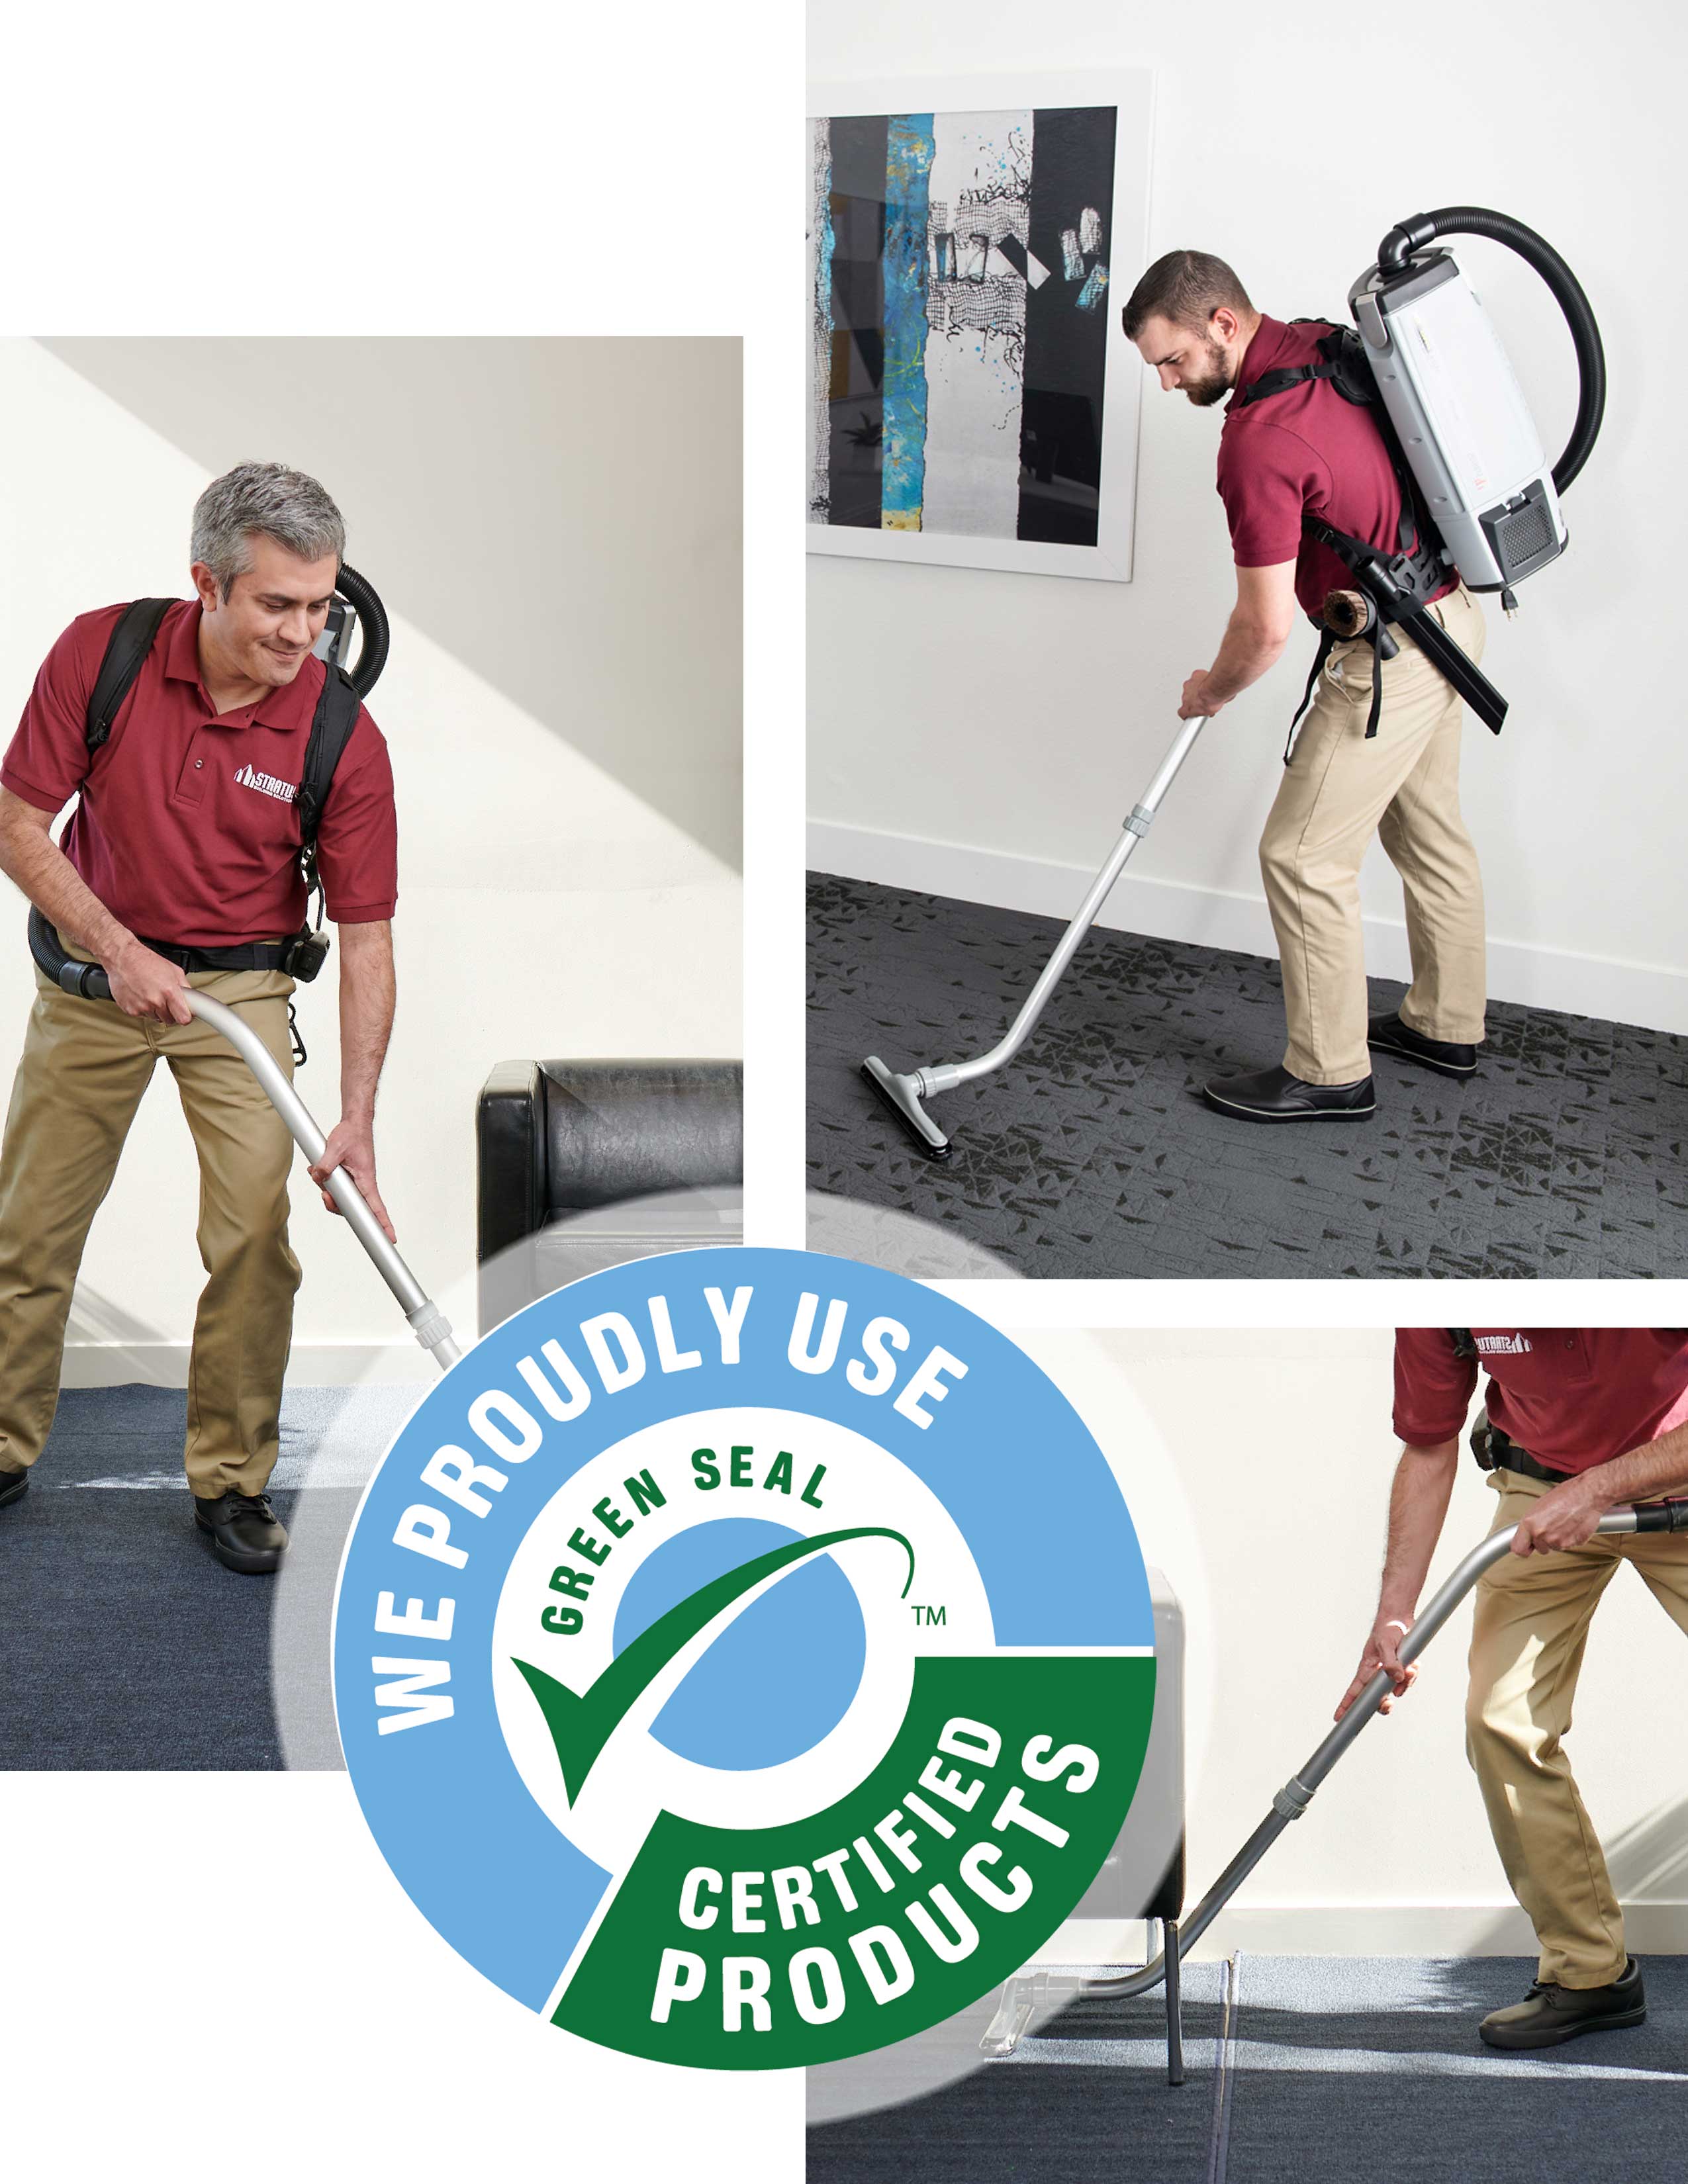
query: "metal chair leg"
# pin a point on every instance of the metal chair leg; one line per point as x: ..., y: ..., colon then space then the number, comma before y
x: 1169, y: 1944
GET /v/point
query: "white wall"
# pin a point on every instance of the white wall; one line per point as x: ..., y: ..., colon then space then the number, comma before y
x: 1288, y: 143
x: 544, y: 909
x: 564, y: 515
x: 1257, y: 1466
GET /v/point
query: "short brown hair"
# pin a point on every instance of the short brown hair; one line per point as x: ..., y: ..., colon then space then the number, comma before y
x: 1186, y: 286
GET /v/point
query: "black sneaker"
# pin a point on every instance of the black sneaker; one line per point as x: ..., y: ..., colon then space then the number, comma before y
x: 13, y: 1484
x: 1274, y: 1096
x: 1388, y: 1035
x: 245, y: 1532
x: 1550, y: 2013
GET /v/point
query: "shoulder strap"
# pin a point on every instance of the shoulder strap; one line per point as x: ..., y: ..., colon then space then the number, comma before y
x: 127, y: 649
x: 1344, y: 365
x: 1279, y: 382
x: 330, y: 731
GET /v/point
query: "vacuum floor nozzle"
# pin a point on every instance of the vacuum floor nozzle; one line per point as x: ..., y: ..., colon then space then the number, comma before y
x: 901, y: 1094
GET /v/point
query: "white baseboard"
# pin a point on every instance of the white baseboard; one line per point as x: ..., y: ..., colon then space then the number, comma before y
x: 1358, y: 1929
x: 311, y: 1365
x: 1649, y: 994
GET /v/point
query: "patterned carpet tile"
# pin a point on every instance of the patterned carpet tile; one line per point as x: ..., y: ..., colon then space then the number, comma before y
x: 1092, y: 1155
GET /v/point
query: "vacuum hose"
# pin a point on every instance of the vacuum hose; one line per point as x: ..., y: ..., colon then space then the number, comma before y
x: 88, y: 979
x: 1425, y: 227
x: 358, y: 592
x: 428, y: 1323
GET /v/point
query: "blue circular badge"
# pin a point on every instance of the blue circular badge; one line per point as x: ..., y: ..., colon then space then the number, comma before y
x: 744, y: 1657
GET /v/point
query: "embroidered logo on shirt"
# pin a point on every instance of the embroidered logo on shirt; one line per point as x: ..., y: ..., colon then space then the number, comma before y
x: 266, y: 783
x: 1512, y: 1344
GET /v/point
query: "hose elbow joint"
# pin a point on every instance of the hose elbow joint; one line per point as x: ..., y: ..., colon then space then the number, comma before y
x: 1403, y: 239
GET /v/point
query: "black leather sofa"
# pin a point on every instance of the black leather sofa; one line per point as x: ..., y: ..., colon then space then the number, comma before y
x: 584, y: 1164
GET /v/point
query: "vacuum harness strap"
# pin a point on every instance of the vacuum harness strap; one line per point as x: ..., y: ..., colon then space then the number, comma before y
x: 302, y: 955
x: 129, y: 643
x: 256, y: 955
x: 1496, y: 1450
x: 1400, y: 585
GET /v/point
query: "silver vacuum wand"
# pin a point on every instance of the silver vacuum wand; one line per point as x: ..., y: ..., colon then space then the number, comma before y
x: 904, y: 1092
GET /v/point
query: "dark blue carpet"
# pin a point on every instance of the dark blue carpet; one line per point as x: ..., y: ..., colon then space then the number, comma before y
x: 1338, y: 2070
x: 125, y: 1643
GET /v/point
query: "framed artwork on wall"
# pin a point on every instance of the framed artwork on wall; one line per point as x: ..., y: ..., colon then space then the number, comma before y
x: 972, y: 397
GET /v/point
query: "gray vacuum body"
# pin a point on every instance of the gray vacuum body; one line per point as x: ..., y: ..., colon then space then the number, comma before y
x: 1462, y: 420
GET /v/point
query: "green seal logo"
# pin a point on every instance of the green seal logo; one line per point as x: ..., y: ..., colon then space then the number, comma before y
x: 745, y: 1658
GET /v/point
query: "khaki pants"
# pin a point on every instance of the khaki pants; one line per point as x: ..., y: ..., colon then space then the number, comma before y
x: 84, y: 1067
x: 1338, y: 790
x: 1531, y: 1626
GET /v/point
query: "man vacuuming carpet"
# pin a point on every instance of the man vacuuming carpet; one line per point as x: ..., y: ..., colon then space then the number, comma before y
x: 1578, y: 1420
x: 187, y: 833
x: 1353, y: 771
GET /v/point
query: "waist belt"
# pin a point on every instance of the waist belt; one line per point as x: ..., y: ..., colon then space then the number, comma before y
x: 1495, y: 1452
x: 254, y: 955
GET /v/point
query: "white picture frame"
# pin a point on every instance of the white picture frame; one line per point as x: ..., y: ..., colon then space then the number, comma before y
x: 1130, y: 92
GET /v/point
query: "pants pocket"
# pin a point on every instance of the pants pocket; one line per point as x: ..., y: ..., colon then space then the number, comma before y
x: 1349, y: 667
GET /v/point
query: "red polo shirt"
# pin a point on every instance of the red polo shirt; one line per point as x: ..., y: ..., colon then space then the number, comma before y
x: 1307, y: 449
x: 1573, y: 1396
x: 187, y: 829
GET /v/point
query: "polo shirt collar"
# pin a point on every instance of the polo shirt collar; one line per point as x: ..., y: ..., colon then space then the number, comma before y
x: 1261, y: 353
x: 286, y: 707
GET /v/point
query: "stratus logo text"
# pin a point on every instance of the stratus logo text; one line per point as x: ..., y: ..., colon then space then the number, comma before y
x: 266, y: 783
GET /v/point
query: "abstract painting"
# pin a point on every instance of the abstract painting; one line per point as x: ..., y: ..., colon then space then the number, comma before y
x: 961, y: 265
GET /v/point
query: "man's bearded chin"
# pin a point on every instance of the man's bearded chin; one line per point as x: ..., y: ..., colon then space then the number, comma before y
x: 1216, y: 383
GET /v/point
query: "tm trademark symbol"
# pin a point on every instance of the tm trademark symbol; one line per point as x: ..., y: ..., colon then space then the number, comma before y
x: 929, y: 1615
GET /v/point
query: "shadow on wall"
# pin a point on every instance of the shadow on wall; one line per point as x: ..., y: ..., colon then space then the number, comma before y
x: 129, y: 1347
x: 564, y: 516
x: 1648, y: 1862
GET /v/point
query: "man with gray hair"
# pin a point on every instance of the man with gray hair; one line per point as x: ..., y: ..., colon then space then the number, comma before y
x: 179, y: 867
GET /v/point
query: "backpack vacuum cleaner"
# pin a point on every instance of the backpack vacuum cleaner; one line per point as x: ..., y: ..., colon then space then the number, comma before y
x: 343, y: 689
x: 1479, y: 504
x: 1030, y: 1996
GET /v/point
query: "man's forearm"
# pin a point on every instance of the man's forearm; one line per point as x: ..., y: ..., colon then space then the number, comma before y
x: 34, y: 862
x: 1417, y: 1506
x: 1246, y: 650
x: 1644, y: 1474
x: 367, y: 993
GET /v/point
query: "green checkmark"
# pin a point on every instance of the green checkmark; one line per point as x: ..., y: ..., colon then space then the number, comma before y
x: 581, y: 1725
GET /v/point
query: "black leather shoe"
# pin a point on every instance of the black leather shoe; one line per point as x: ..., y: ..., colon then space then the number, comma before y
x: 13, y: 1485
x: 1274, y: 1096
x: 1550, y: 2013
x: 245, y: 1534
x: 1388, y: 1035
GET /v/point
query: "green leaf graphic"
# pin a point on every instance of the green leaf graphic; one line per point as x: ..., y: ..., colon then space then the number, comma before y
x: 581, y: 1725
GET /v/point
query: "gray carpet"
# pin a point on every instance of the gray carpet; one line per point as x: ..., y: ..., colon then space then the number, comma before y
x: 125, y: 1643
x: 1334, y: 2069
x: 1092, y: 1153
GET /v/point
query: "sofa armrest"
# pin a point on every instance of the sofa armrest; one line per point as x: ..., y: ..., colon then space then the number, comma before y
x: 511, y: 1153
